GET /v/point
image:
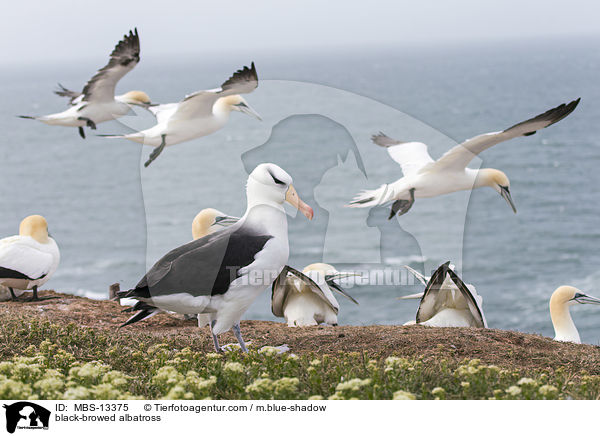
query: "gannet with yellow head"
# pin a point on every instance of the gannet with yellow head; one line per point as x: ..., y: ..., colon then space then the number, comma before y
x: 29, y: 259
x: 424, y: 177
x: 210, y: 220
x: 97, y: 102
x: 198, y: 114
x: 562, y: 299
x: 305, y: 298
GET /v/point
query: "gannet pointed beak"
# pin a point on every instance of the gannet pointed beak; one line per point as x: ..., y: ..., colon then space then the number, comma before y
x: 246, y: 109
x: 292, y: 198
x: 329, y: 279
x: 226, y: 220
x: 585, y: 299
x: 505, y: 193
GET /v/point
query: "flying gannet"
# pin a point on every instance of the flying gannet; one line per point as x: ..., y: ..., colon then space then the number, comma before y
x: 198, y: 114
x: 424, y: 177
x: 29, y: 259
x: 97, y: 102
x: 222, y: 273
x: 305, y: 298
x: 447, y: 301
x: 562, y: 298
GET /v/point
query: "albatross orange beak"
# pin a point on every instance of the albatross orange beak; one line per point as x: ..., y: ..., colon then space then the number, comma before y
x: 292, y: 198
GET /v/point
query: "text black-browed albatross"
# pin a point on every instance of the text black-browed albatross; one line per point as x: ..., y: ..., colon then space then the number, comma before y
x: 424, y: 177
x: 222, y: 273
x: 198, y: 114
x: 97, y: 102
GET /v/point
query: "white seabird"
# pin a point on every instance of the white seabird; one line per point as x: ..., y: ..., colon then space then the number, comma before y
x: 305, y: 298
x: 222, y: 273
x: 97, y: 102
x: 562, y: 298
x: 424, y: 177
x: 29, y: 259
x: 447, y: 301
x: 198, y: 114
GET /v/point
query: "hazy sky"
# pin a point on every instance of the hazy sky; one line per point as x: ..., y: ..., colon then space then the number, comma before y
x: 62, y: 29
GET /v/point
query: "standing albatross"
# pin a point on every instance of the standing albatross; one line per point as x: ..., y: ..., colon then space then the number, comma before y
x: 198, y: 114
x: 97, y: 102
x: 221, y: 274
x: 424, y: 177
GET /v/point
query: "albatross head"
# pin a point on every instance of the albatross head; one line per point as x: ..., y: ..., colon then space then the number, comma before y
x: 561, y: 299
x: 268, y: 183
x: 137, y: 98
x: 36, y: 227
x: 497, y: 180
x: 238, y: 103
x: 207, y: 218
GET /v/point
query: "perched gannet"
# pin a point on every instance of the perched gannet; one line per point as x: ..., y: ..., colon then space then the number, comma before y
x: 424, y: 177
x: 222, y: 273
x: 305, y: 298
x: 97, y: 102
x: 209, y: 221
x: 29, y: 259
x: 562, y: 298
x: 198, y: 114
x: 447, y: 301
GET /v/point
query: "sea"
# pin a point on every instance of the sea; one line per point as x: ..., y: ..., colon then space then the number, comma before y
x: 112, y: 218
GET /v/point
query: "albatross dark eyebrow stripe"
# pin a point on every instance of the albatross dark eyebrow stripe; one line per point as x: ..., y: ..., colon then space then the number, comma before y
x: 275, y: 179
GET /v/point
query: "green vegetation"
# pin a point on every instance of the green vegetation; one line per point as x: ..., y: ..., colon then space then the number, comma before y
x: 47, y: 361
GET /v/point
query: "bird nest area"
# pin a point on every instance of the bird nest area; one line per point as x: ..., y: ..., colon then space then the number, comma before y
x: 507, y: 349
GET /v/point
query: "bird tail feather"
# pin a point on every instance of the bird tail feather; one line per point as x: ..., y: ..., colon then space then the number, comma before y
x: 371, y: 198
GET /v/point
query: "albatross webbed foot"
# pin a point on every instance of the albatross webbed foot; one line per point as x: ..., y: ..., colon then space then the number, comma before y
x: 81, y: 132
x: 400, y: 207
x: 12, y: 295
x: 35, y: 297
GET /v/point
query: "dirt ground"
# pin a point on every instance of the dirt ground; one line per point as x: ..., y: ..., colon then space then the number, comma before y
x: 503, y: 348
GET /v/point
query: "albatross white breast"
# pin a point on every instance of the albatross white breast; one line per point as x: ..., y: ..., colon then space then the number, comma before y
x: 222, y: 273
x: 29, y: 259
x: 305, y: 298
x: 447, y: 301
x: 424, y: 177
x: 97, y: 102
x: 562, y: 299
x: 198, y: 114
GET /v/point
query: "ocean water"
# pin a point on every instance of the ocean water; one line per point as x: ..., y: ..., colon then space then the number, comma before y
x: 112, y: 218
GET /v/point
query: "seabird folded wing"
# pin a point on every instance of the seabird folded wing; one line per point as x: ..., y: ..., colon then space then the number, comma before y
x: 206, y: 266
x: 20, y: 260
x: 126, y: 55
x: 459, y: 156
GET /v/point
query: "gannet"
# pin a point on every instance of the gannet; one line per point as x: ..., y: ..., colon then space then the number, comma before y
x: 424, y: 177
x: 562, y: 298
x: 29, y: 259
x: 305, y: 298
x: 198, y: 114
x: 447, y: 301
x: 97, y: 102
x: 209, y: 221
x: 222, y: 273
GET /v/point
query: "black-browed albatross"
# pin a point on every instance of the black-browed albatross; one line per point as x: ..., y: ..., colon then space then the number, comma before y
x: 222, y: 273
